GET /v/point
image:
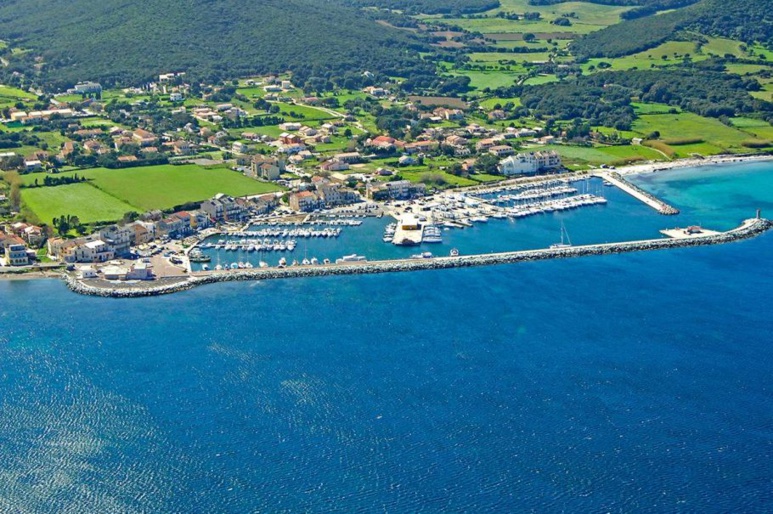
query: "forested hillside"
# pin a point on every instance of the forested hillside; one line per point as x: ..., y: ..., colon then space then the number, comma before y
x: 128, y: 41
x: 605, y: 98
x: 750, y: 21
x: 454, y: 7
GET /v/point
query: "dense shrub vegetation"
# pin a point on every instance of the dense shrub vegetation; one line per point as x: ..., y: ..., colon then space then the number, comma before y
x: 750, y: 21
x: 124, y: 41
x: 454, y: 7
x: 605, y: 98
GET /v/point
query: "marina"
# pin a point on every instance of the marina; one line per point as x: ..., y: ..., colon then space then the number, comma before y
x: 356, y: 264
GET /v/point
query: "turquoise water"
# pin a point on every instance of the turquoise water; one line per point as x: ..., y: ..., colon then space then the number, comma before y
x: 628, y: 383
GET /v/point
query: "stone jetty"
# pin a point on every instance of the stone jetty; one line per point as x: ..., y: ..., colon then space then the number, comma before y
x: 638, y: 193
x: 98, y: 287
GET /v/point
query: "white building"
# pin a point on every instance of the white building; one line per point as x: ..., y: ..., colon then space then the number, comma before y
x: 529, y: 163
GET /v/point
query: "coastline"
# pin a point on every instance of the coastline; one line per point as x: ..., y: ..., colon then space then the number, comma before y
x: 98, y: 287
x: 636, y: 169
x: 29, y: 275
x: 654, y: 167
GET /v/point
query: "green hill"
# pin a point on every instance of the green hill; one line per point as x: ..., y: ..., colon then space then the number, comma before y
x: 125, y: 41
x: 750, y: 21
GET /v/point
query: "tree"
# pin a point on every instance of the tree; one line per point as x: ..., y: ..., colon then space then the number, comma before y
x: 529, y: 37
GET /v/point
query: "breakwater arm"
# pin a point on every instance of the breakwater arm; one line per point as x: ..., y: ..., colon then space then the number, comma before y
x: 747, y: 229
x: 638, y: 193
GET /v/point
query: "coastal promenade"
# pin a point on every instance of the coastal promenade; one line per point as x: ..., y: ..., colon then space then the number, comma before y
x: 638, y: 193
x: 98, y: 287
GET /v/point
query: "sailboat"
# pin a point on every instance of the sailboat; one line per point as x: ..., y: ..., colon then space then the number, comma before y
x: 564, y: 243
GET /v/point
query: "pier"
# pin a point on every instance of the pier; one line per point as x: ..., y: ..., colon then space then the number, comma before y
x: 638, y: 193
x: 98, y: 287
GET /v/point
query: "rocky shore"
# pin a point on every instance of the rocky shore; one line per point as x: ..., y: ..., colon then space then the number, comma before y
x: 99, y: 287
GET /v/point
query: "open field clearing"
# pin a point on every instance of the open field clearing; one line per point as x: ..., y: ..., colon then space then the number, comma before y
x: 82, y: 200
x: 161, y: 187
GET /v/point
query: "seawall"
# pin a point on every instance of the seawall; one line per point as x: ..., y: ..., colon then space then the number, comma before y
x: 638, y: 193
x: 748, y: 229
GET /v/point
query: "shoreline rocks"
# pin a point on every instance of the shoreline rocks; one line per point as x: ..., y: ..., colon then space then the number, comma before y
x: 748, y: 229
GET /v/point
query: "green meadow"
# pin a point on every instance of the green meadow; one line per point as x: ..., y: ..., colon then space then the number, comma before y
x: 111, y: 192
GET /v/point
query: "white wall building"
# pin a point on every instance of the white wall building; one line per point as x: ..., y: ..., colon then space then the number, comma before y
x: 529, y: 163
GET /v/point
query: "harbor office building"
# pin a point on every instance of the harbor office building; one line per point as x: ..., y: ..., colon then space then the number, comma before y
x: 530, y: 163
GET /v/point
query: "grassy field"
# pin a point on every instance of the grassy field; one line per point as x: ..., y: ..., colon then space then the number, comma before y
x: 155, y: 187
x: 82, y: 200
x: 585, y: 156
x: 491, y: 79
x: 586, y: 17
x: 10, y: 96
x: 716, y: 138
x: 305, y: 112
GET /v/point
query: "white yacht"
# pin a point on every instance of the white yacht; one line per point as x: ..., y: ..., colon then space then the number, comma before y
x: 351, y: 258
x: 562, y: 244
x: 431, y: 234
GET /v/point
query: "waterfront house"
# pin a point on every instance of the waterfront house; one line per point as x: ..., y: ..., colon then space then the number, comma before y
x: 118, y: 238
x: 529, y: 163
x: 15, y: 251
x: 304, y: 201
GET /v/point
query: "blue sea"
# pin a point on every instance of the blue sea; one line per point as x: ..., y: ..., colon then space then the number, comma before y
x: 626, y: 383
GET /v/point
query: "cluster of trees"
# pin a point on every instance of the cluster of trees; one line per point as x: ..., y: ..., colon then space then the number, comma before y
x: 49, y: 180
x: 608, y: 106
x: 605, y: 98
x: 100, y: 40
x: 18, y: 139
x: 746, y: 20
x: 64, y: 223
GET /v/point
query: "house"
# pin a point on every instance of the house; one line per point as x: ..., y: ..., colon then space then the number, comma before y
x: 32, y: 165
x: 335, y: 194
x: 267, y: 168
x: 396, y: 190
x: 290, y: 126
x: 118, y: 238
x: 349, y: 157
x: 305, y: 201
x: 449, y: 114
x: 378, y: 92
x: 334, y: 165
x: 93, y: 251
x: 223, y: 208
x: 384, y: 143
x: 142, y: 232
x: 15, y: 251
x: 501, y: 150
x: 485, y: 144
x: 264, y: 204
x: 290, y: 139
x: 85, y: 88
x: 182, y: 147
x: 175, y: 97
x: 421, y: 147
x: 143, y: 137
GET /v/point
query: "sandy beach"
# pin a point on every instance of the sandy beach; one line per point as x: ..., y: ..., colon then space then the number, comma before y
x: 29, y: 275
x: 689, y: 163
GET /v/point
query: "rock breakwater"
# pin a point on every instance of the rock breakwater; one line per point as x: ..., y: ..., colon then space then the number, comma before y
x: 748, y: 229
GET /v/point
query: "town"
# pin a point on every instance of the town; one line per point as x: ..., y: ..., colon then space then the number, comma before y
x: 238, y: 139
